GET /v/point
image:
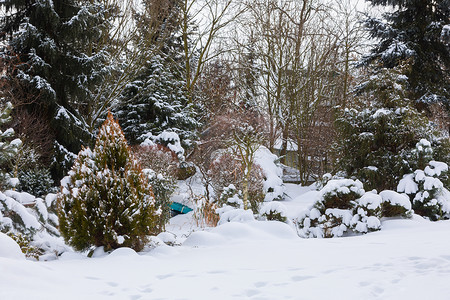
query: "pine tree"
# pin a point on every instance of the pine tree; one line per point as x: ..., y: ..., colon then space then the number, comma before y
x: 417, y: 31
x: 156, y: 100
x: 106, y: 199
x: 377, y: 137
x: 51, y: 54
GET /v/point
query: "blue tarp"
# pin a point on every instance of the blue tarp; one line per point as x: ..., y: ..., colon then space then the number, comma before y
x: 180, y: 208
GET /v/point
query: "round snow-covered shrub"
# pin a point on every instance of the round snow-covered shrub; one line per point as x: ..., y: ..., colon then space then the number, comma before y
x: 230, y: 214
x: 340, y: 193
x: 395, y: 204
x: 31, y: 221
x: 106, y: 199
x: 274, y: 211
x: 429, y: 197
x: 367, y: 213
x: 231, y: 196
x: 342, y: 206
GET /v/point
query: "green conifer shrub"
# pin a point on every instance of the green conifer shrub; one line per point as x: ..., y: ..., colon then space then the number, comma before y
x: 377, y: 137
x: 106, y: 199
x: 8, y: 148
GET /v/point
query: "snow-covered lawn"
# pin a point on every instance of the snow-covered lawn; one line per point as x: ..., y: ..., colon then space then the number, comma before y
x: 407, y: 259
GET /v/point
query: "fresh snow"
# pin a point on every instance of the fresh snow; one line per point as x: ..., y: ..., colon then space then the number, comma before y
x: 247, y: 259
x: 9, y: 249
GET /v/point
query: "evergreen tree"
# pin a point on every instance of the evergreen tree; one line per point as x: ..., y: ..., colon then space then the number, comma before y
x: 377, y: 138
x: 416, y: 30
x: 156, y: 100
x: 51, y: 54
x: 8, y: 148
x: 106, y: 200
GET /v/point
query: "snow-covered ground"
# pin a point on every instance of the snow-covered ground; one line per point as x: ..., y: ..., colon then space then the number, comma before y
x: 407, y: 259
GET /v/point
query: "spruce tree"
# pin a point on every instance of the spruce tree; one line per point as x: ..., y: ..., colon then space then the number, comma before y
x: 377, y: 137
x: 417, y: 31
x: 106, y: 199
x: 156, y: 100
x: 50, y: 53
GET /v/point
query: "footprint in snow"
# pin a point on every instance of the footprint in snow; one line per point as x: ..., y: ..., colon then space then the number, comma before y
x: 251, y: 293
x: 260, y: 284
x: 92, y: 278
x: 146, y: 289
x: 113, y: 284
x: 301, y: 278
x: 164, y: 276
x: 364, y: 283
x: 216, y: 272
x: 376, y: 291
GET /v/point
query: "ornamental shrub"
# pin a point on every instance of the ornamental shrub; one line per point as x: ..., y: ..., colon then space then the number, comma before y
x: 106, y: 199
x: 427, y: 190
x: 344, y: 207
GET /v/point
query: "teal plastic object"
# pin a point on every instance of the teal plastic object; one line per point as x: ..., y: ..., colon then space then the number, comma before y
x: 180, y: 208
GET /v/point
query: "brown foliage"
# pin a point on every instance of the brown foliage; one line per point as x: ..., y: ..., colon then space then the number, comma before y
x: 205, y: 214
x: 158, y: 158
x: 226, y: 169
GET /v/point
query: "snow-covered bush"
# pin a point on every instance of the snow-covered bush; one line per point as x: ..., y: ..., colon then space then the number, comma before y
x: 343, y: 206
x: 332, y: 213
x: 273, y: 211
x: 227, y: 170
x: 31, y: 221
x: 274, y: 188
x: 230, y: 214
x: 9, y: 248
x: 163, y: 188
x: 160, y: 167
x: 169, y: 139
x: 25, y: 245
x: 36, y: 181
x: 395, y: 205
x: 106, y: 199
x: 8, y: 148
x: 377, y: 137
x: 160, y: 159
x: 426, y: 190
x: 231, y: 196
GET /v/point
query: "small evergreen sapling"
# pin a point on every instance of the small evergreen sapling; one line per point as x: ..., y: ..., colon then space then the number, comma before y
x: 106, y: 199
x: 8, y: 148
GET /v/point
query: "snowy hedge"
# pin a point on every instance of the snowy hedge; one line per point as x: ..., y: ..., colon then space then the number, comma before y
x: 344, y: 207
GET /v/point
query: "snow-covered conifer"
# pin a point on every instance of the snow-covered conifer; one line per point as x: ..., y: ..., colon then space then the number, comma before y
x: 415, y: 31
x: 377, y: 136
x: 156, y: 101
x: 8, y: 148
x: 53, y: 56
x: 106, y: 199
x: 428, y: 190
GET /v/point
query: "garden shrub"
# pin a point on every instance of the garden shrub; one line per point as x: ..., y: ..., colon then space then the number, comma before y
x: 106, y: 199
x: 426, y: 190
x: 274, y: 211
